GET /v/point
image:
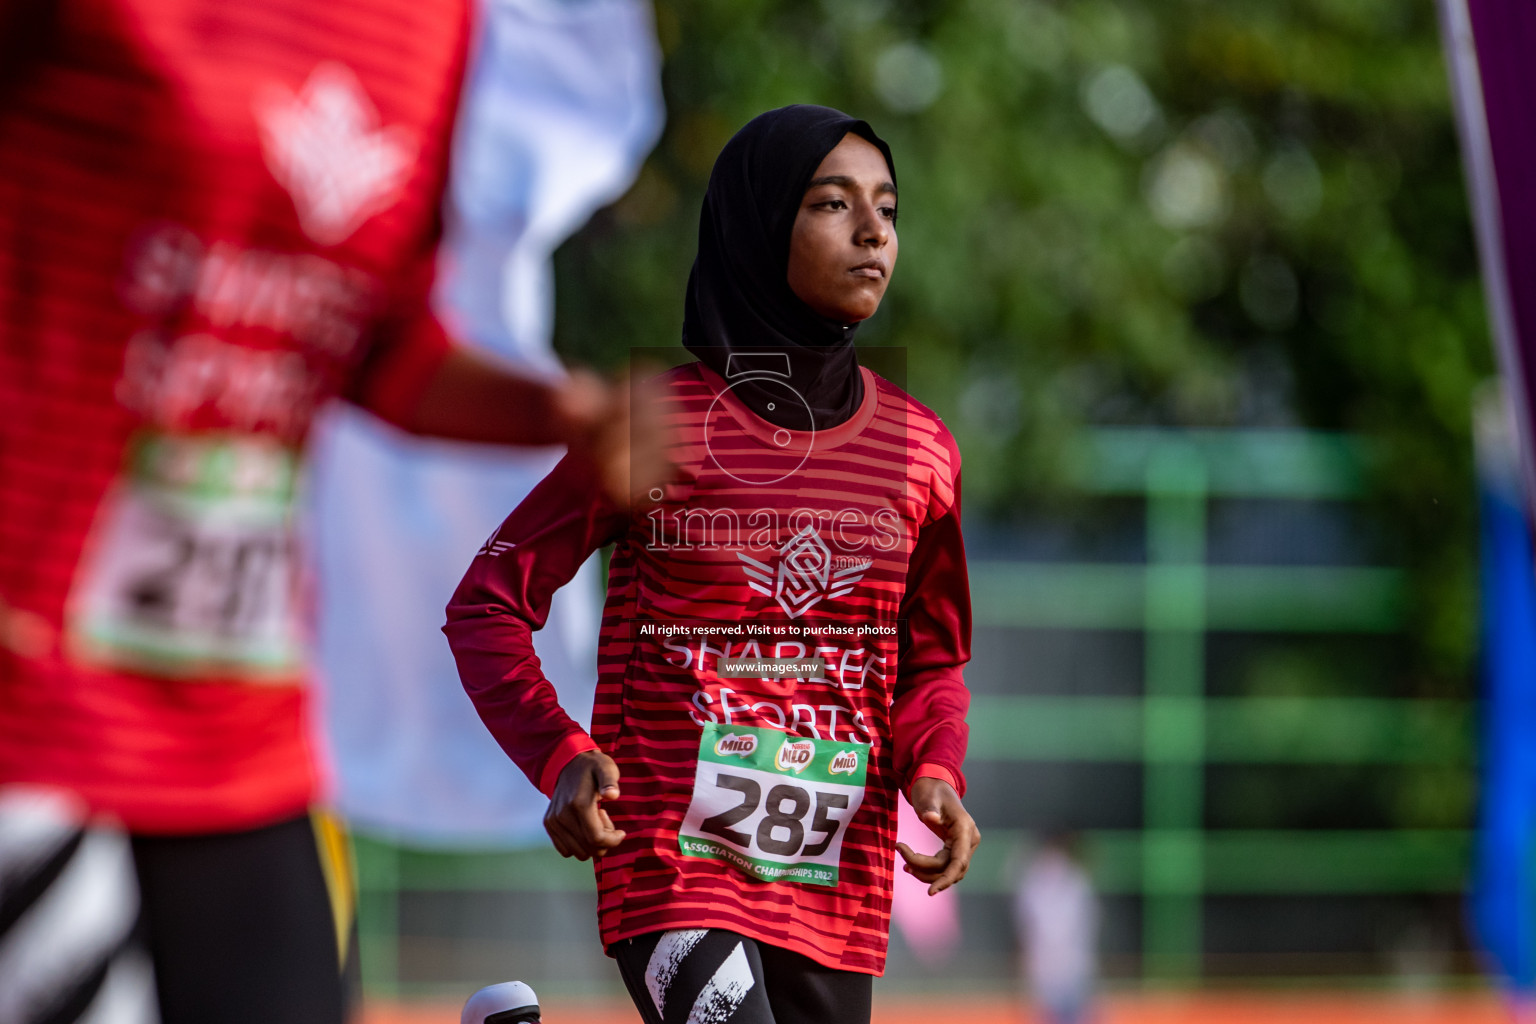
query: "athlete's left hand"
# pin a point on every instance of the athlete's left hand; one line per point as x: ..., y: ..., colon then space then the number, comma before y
x: 939, y: 807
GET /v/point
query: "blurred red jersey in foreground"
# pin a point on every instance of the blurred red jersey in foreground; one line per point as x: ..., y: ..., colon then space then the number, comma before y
x: 213, y: 217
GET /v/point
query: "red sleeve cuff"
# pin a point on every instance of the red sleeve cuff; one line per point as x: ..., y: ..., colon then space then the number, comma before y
x: 934, y: 771
x: 564, y: 753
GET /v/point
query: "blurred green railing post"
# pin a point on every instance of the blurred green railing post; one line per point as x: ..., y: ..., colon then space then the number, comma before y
x: 378, y: 916
x: 1173, y: 713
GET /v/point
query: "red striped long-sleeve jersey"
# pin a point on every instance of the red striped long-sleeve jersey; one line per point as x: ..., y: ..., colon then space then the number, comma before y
x: 755, y: 798
x: 214, y: 216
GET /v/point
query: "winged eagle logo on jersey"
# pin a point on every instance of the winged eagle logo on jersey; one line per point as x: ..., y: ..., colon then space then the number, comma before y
x: 804, y: 574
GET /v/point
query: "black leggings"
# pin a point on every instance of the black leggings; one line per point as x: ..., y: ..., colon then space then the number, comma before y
x: 712, y: 976
x: 240, y: 927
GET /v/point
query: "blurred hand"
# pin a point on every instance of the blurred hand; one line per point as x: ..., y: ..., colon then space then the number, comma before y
x: 576, y: 820
x: 938, y: 806
x: 24, y: 633
x: 617, y: 428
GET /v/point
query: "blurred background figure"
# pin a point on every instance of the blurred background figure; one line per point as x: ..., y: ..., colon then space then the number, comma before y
x: 1056, y: 913
x: 214, y: 219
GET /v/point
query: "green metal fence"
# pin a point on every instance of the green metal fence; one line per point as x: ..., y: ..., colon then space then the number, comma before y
x: 1174, y: 730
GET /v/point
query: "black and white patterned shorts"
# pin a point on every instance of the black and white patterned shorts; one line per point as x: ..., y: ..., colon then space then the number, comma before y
x: 713, y: 976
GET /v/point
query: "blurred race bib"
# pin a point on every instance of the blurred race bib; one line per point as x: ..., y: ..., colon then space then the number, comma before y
x: 191, y: 567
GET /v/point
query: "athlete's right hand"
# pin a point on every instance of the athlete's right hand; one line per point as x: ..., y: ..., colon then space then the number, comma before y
x: 576, y: 820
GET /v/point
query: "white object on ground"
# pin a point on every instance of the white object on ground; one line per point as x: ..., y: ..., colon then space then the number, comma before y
x: 508, y: 997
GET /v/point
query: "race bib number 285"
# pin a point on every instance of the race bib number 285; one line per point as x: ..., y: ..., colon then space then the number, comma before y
x: 774, y: 806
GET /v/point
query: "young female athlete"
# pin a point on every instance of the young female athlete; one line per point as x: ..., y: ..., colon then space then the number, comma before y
x: 742, y: 814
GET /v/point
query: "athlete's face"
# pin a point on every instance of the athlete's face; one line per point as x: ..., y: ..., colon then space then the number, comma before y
x: 843, y: 246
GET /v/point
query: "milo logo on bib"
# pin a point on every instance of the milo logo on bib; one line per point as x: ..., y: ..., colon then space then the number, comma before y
x: 794, y: 755
x: 774, y: 807
x: 731, y: 743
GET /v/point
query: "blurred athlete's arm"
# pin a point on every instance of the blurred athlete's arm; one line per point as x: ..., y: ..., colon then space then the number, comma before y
x: 502, y: 599
x: 473, y: 398
x: 415, y: 378
x: 928, y: 712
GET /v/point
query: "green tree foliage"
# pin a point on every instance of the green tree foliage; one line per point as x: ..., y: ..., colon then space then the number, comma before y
x: 1166, y: 212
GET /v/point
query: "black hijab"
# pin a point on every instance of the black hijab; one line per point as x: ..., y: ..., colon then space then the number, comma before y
x: 739, y: 300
